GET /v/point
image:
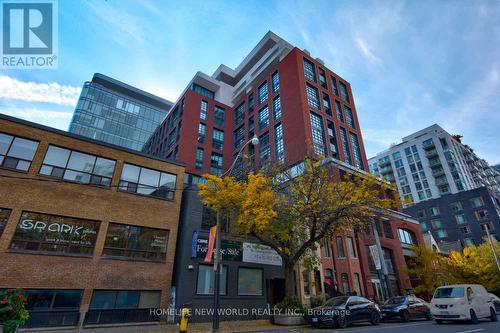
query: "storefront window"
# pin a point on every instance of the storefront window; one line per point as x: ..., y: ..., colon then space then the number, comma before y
x: 205, y: 283
x: 4, y: 217
x: 250, y: 281
x: 53, y: 307
x: 38, y: 232
x: 129, y: 241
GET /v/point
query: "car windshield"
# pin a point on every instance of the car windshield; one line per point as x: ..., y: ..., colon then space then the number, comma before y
x: 455, y: 292
x: 396, y: 300
x: 337, y: 301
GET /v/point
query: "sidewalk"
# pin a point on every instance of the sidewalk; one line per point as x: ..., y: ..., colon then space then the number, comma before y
x: 247, y: 326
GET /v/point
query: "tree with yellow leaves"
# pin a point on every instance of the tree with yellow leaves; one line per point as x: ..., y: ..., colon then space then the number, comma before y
x: 475, y: 264
x: 291, y: 213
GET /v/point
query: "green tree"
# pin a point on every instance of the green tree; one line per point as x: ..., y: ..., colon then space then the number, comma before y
x: 292, y: 213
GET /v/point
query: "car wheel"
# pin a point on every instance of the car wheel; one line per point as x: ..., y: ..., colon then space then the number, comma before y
x: 439, y: 321
x: 473, y: 317
x: 342, y: 321
x: 493, y: 315
x: 428, y: 315
x: 405, y: 315
x: 375, y: 318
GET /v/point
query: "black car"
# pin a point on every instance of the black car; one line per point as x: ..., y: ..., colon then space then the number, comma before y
x: 345, y: 310
x: 405, y: 308
x: 496, y: 302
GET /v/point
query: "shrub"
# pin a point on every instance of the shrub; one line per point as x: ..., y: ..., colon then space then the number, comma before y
x: 317, y: 300
x: 289, y: 304
x: 13, y: 311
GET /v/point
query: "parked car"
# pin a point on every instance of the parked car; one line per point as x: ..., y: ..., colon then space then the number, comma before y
x: 496, y: 302
x: 462, y: 302
x: 405, y: 308
x: 345, y: 310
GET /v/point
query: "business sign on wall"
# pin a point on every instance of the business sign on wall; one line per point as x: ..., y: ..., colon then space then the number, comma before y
x: 44, y: 232
x: 260, y: 254
x: 229, y: 250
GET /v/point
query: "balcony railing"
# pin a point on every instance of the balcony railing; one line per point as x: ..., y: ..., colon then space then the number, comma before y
x: 435, y: 163
x: 437, y: 172
x: 431, y: 153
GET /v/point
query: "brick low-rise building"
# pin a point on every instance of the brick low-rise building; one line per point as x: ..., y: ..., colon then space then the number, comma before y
x: 87, y: 229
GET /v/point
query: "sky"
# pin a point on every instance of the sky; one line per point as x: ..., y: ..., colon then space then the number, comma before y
x: 410, y: 63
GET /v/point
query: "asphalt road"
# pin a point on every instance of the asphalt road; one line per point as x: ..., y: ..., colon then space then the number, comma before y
x: 484, y: 326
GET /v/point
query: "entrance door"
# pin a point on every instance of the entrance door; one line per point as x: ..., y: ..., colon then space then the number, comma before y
x: 377, y: 289
x: 275, y: 290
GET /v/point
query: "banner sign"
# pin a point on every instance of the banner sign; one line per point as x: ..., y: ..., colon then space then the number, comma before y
x: 194, y: 244
x: 375, y: 256
x: 211, y: 243
x: 229, y: 250
x: 260, y: 254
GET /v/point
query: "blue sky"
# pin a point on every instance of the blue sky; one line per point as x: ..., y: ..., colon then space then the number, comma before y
x: 410, y: 63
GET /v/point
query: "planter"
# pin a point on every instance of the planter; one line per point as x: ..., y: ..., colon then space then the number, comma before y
x: 288, y: 320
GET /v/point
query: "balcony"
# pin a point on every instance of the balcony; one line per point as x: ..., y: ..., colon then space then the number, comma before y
x: 386, y: 170
x: 438, y: 172
x: 435, y: 163
x: 431, y: 153
x: 441, y: 181
x: 428, y: 144
x: 384, y: 161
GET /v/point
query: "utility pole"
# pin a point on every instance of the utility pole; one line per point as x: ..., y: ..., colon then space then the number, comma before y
x: 385, y: 284
x: 487, y: 229
x: 215, y: 319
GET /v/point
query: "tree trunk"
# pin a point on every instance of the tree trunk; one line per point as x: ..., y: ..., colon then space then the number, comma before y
x: 289, y: 283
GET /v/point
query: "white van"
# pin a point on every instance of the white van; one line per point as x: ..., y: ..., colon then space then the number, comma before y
x: 462, y: 302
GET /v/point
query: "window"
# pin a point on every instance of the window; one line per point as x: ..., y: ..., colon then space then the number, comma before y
x: 318, y: 134
x: 357, y: 284
x: 343, y: 93
x: 460, y: 219
x: 349, y: 118
x: 469, y: 242
x: 340, y: 247
x: 264, y: 117
x: 52, y: 307
x: 356, y: 151
x: 436, y: 223
x: 263, y: 92
x: 434, y: 211
x: 136, y: 242
x: 338, y: 110
x: 203, y: 91
x: 387, y: 229
x: 332, y: 138
x: 407, y: 236
x: 477, y: 202
x: 276, y: 82
x: 216, y: 163
x: 205, y: 282
x: 312, y: 96
x: 322, y: 79
x: 77, y: 167
x: 250, y: 281
x: 465, y: 229
x: 278, y: 142
x: 351, y: 248
x: 202, y: 129
x: 135, y: 179
x: 250, y: 104
x: 441, y: 233
x: 199, y: 158
x: 44, y: 233
x: 327, y: 253
x: 4, y: 217
x: 239, y: 136
x: 345, y: 146
x: 326, y: 104
x: 125, y: 299
x: 239, y: 114
x: 306, y: 281
x: 16, y: 153
x: 481, y: 215
x: 264, y: 149
x: 203, y: 110
x: 218, y: 139
x: 344, y: 278
x: 251, y: 127
x: 334, y: 86
x: 219, y: 116
x: 309, y: 70
x: 277, y: 108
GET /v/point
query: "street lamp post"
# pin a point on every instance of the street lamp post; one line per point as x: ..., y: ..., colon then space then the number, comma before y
x: 487, y: 229
x: 217, y: 257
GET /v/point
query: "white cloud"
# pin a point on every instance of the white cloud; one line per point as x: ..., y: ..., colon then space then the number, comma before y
x: 366, y: 51
x: 36, y: 114
x: 55, y: 93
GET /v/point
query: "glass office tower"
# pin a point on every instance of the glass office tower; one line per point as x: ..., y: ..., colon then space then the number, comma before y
x: 114, y: 112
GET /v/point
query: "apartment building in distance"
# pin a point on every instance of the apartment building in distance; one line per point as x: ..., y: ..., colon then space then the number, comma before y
x: 296, y: 107
x: 114, y: 112
x: 87, y: 229
x: 431, y: 163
